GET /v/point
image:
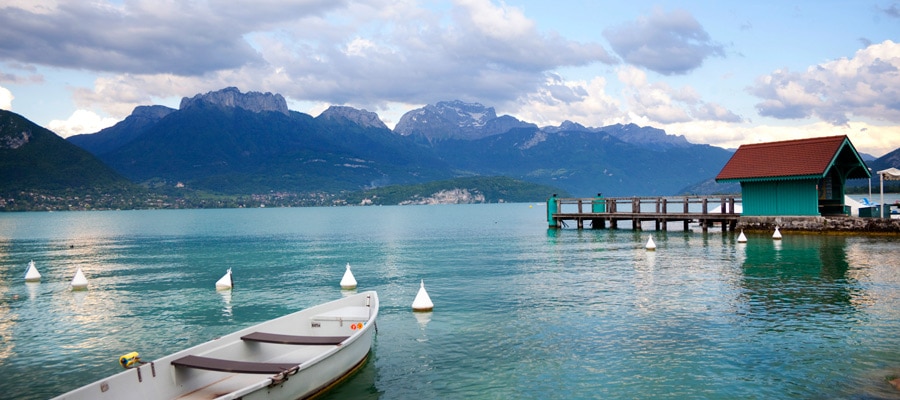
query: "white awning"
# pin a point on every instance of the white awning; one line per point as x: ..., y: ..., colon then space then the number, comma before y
x: 890, y: 174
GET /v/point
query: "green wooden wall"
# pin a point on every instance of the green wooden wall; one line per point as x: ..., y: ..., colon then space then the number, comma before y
x: 790, y: 197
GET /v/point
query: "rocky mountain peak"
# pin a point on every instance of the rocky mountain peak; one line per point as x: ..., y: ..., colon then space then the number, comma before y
x: 151, y: 112
x: 456, y: 120
x: 646, y: 135
x: 464, y: 114
x: 565, y: 126
x: 364, y: 118
x: 232, y: 97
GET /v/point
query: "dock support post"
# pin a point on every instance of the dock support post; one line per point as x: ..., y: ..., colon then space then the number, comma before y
x: 606, y: 209
x: 552, y: 208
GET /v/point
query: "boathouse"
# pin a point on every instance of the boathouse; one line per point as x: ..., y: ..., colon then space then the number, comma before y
x: 803, y: 177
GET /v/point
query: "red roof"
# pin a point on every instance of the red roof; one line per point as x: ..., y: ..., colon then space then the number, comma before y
x: 802, y: 157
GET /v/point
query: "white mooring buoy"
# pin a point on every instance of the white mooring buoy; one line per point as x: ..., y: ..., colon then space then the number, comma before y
x: 742, y: 238
x: 422, y: 301
x: 348, y: 282
x: 651, y: 246
x: 31, y: 273
x: 79, y: 282
x: 226, y: 282
x: 777, y: 234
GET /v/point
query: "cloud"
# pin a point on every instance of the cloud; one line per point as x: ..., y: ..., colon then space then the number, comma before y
x: 30, y: 75
x: 371, y: 53
x: 6, y: 98
x: 143, y: 36
x: 865, y: 86
x: 588, y: 103
x: 81, y: 121
x: 892, y: 11
x: 867, y: 138
x: 658, y: 102
x: 715, y: 112
x: 118, y: 95
x: 668, y: 43
x: 557, y: 100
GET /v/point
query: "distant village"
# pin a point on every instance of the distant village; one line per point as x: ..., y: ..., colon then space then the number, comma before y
x: 31, y: 201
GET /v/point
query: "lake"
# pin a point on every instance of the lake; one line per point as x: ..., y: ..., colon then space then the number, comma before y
x: 521, y: 311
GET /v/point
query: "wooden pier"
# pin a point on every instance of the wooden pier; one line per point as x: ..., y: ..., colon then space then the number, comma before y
x: 707, y: 211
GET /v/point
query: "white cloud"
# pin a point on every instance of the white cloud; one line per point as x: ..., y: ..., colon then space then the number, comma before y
x: 369, y: 53
x: 865, y: 86
x: 867, y: 138
x: 35, y: 6
x: 660, y: 103
x: 6, y: 98
x: 584, y: 102
x: 118, y: 95
x: 503, y: 22
x: 359, y: 47
x: 81, y: 121
x: 667, y: 43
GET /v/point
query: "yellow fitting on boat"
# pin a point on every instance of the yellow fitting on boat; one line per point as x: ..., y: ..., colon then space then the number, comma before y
x: 128, y: 360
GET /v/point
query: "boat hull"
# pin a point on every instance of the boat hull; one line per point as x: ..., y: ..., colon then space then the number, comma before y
x: 318, y: 366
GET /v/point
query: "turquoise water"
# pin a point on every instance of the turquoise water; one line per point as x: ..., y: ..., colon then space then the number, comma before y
x: 520, y: 311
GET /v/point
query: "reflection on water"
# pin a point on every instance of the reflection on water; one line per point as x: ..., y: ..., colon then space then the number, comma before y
x: 523, y: 311
x: 808, y: 275
x: 226, y: 300
x: 361, y: 385
x: 423, y: 318
x: 33, y: 289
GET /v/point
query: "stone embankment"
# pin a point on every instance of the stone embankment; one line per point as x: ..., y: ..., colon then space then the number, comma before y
x: 837, y: 224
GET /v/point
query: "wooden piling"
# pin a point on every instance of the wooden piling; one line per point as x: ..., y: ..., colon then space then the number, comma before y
x: 656, y: 209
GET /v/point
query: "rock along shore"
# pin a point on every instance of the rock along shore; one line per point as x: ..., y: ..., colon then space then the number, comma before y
x: 836, y: 224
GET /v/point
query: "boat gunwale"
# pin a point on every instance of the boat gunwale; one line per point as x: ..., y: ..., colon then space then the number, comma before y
x: 211, y: 347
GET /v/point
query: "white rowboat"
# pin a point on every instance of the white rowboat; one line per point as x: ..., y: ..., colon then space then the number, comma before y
x: 292, y: 357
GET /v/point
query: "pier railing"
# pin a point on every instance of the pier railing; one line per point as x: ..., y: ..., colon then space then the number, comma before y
x: 704, y: 210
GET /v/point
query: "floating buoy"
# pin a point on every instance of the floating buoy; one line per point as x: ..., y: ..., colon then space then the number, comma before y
x: 79, y: 282
x: 651, y: 246
x: 31, y: 273
x: 225, y: 282
x: 742, y: 238
x: 422, y: 301
x: 348, y: 282
x: 777, y: 234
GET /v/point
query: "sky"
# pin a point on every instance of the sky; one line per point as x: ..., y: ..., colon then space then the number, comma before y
x: 717, y: 72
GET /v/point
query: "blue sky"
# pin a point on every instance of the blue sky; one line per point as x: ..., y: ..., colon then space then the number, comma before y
x: 722, y: 73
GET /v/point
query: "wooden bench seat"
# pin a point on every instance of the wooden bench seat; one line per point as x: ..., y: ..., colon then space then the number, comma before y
x: 242, y: 367
x: 293, y: 339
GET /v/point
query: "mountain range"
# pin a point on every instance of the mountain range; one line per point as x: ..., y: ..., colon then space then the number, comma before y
x: 32, y: 157
x: 231, y: 142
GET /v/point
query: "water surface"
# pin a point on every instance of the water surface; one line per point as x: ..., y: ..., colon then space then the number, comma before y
x: 520, y: 311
